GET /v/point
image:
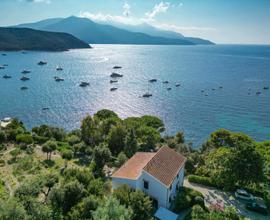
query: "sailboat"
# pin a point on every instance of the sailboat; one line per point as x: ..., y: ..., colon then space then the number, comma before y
x: 148, y: 94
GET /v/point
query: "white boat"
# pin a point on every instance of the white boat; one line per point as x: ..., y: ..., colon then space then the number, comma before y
x: 58, y: 68
x: 58, y: 79
x: 26, y: 71
x: 84, y: 84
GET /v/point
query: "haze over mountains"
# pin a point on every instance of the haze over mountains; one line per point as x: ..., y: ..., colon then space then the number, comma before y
x: 97, y: 33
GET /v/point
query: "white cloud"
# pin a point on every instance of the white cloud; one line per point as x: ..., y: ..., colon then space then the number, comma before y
x: 158, y: 8
x: 100, y: 17
x: 126, y: 8
x: 125, y: 18
x: 149, y: 18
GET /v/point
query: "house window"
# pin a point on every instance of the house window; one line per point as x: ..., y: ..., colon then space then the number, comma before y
x: 145, y: 184
x: 170, y: 200
x: 171, y: 187
x: 177, y: 175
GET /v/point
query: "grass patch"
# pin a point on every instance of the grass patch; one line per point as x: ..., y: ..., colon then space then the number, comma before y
x: 26, y: 164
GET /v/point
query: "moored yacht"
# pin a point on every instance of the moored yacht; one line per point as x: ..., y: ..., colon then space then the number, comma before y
x: 24, y: 78
x: 58, y: 79
x: 7, y: 77
x: 84, y: 84
x: 117, y: 67
x: 58, y: 68
x: 26, y: 71
x: 146, y: 95
x: 41, y: 63
x: 24, y: 88
x: 113, y: 81
x: 152, y: 80
x: 115, y: 75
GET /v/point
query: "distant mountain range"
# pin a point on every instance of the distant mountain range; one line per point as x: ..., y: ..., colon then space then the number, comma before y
x: 97, y: 33
x: 29, y: 39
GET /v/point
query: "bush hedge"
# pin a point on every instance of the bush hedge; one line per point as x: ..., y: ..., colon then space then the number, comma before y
x: 40, y: 139
x: 24, y: 138
x: 201, y: 180
x: 186, y: 198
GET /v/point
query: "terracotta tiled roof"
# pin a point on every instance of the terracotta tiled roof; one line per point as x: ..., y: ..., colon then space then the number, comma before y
x: 165, y: 165
x: 133, y: 167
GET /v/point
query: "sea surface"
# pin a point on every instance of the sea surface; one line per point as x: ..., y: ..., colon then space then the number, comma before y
x: 229, y: 75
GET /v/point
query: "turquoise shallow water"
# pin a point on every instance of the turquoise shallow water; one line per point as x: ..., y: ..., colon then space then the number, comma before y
x: 240, y: 70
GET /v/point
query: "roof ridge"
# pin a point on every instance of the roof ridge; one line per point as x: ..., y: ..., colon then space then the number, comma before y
x: 156, y: 160
x: 153, y: 156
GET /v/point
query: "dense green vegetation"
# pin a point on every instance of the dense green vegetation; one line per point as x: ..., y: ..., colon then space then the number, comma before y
x: 29, y: 39
x: 186, y: 198
x: 48, y: 173
x: 231, y: 160
x: 200, y: 213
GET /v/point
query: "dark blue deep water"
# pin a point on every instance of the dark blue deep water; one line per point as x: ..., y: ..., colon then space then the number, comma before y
x: 240, y: 70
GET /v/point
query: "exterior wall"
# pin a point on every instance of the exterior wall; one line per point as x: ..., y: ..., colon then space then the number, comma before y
x: 156, y: 189
x: 176, y: 183
x: 116, y: 182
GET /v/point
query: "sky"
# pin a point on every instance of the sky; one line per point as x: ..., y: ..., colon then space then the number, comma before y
x: 221, y: 21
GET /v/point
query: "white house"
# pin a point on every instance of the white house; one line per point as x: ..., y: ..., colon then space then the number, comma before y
x: 157, y: 174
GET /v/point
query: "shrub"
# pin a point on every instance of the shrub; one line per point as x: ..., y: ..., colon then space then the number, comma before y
x: 14, y: 153
x: 63, y: 146
x: 25, y: 164
x: 2, y: 163
x: 186, y: 198
x: 3, y: 136
x: 197, y: 213
x: 39, y: 139
x: 50, y: 132
x: 201, y: 180
x: 121, y: 159
x: 2, y: 147
x: 24, y: 138
x: 12, y: 133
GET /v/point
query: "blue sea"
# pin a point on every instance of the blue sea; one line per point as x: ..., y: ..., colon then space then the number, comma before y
x: 230, y: 76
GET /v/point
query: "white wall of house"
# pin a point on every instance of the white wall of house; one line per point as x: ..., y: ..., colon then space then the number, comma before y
x: 156, y: 189
x: 116, y: 182
x: 177, y: 182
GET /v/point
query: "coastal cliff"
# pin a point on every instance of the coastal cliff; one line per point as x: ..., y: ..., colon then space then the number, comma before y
x: 14, y: 39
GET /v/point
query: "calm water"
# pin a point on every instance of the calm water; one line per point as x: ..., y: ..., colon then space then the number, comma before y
x: 236, y: 68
